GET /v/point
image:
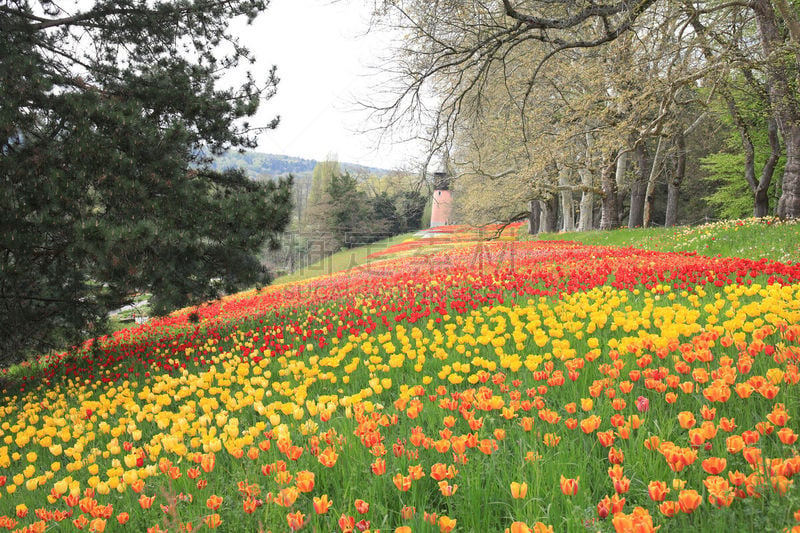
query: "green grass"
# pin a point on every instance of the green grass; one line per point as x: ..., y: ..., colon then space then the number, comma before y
x: 750, y: 239
x: 342, y: 260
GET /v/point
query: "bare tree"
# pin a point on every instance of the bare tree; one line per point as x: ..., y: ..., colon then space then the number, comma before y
x: 456, y: 49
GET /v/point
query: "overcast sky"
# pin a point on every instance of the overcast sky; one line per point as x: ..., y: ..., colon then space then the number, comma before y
x: 324, y: 56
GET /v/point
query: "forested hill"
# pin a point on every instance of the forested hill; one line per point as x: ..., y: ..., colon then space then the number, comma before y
x: 260, y: 165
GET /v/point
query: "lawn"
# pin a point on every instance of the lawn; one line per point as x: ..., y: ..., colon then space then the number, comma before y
x: 752, y: 239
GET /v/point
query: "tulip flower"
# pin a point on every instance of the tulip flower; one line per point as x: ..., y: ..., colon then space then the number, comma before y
x: 689, y: 500
x: 657, y: 490
x: 519, y: 490
x: 322, y: 504
x: 569, y: 486
x: 642, y: 404
x: 295, y: 520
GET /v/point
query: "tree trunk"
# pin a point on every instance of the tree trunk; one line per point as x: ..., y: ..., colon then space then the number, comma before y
x: 638, y: 189
x: 651, y: 186
x: 534, y: 218
x: 789, y: 204
x: 609, y: 214
x: 619, y: 178
x: 674, y: 183
x: 586, y: 219
x: 760, y: 196
x: 785, y: 104
x: 567, y: 211
x: 586, y: 216
x: 549, y: 215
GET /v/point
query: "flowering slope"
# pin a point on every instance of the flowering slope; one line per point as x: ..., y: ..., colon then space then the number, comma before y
x: 504, y: 386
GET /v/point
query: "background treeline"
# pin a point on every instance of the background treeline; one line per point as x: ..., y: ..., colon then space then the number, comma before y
x: 335, y: 205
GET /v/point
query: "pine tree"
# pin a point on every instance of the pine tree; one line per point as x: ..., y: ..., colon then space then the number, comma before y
x: 108, y: 119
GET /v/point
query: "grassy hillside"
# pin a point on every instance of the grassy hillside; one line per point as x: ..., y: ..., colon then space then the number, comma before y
x: 751, y: 239
x: 489, y: 386
x: 342, y: 260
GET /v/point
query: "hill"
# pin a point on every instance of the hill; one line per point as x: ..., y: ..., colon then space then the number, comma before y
x: 262, y: 166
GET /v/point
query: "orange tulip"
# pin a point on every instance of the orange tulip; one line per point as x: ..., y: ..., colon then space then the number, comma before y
x: 446, y: 524
x: 304, y: 481
x: 250, y: 505
x: 714, y: 465
x: 689, y: 500
x: 752, y: 455
x: 402, y: 482
x: 727, y: 424
x: 286, y: 497
x: 519, y: 490
x: 551, y: 439
x: 737, y: 478
x: 615, y: 456
x: 657, y: 490
x: 708, y: 413
x: 416, y: 472
x: 213, y: 502
x: 622, y: 485
x: 447, y: 489
x: 212, y: 521
x: 606, y: 438
x: 295, y: 520
x: 734, y: 443
x: 145, y: 502
x: 569, y: 486
x: 669, y: 509
x: 328, y: 457
x: 787, y: 436
x: 639, y: 521
x: 361, y: 506
x: 590, y: 424
x: 751, y: 437
x: 686, y: 419
x: 439, y: 471
x: 518, y: 527
x: 346, y: 523
x: 379, y: 467
x: 207, y: 462
x: 80, y: 522
x: 615, y: 472
x: 322, y: 504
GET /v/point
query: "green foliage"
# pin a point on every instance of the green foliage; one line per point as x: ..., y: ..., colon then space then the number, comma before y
x: 410, y: 207
x: 106, y: 190
x: 351, y: 218
x: 732, y: 197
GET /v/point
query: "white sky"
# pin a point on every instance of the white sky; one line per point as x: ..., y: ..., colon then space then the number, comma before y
x: 325, y: 59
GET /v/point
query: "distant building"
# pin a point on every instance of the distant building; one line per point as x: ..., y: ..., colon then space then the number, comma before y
x: 442, y: 208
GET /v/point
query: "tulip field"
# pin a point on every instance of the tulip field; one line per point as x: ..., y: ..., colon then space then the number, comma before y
x: 490, y: 386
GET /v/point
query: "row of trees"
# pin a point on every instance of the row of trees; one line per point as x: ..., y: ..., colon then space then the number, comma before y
x: 536, y: 102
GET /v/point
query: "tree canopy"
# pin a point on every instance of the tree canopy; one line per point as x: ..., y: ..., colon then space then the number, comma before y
x: 597, y: 87
x: 109, y: 115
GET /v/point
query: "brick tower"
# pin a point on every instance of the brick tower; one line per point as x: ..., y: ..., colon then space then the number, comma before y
x: 442, y: 209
